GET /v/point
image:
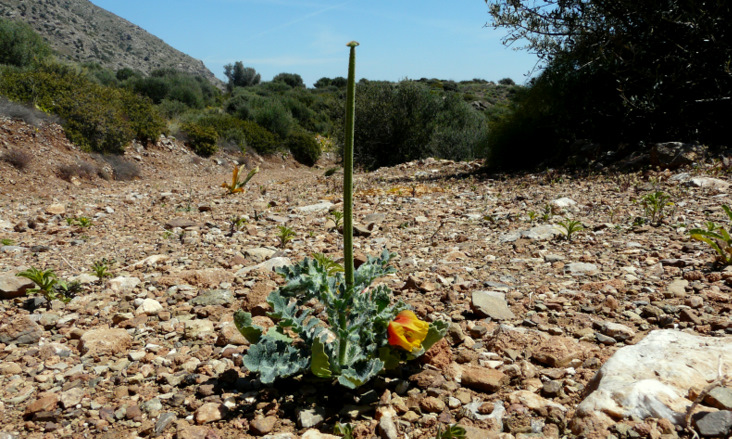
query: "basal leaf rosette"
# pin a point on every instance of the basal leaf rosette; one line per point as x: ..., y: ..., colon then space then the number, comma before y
x: 357, y: 335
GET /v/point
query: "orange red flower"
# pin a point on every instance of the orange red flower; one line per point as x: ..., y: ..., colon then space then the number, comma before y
x: 407, y: 331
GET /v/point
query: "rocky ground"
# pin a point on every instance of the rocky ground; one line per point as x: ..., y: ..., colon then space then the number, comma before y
x: 614, y: 333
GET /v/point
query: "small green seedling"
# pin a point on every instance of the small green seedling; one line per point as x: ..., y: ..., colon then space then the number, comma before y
x: 532, y: 215
x: 654, y: 206
x: 81, y: 221
x: 717, y: 238
x: 285, y: 235
x: 337, y: 217
x: 569, y: 227
x: 100, y: 268
x: 47, y: 283
x: 451, y: 432
x: 344, y: 430
x: 7, y: 241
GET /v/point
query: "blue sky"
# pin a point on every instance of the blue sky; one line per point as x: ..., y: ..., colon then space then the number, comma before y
x: 399, y: 38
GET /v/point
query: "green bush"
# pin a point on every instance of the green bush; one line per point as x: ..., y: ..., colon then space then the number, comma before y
x: 95, y: 117
x: 292, y: 79
x: 201, y: 139
x: 272, y: 115
x: 304, y: 148
x: 396, y: 123
x: 192, y: 90
x: 242, y: 133
x: 20, y: 45
x: 263, y: 141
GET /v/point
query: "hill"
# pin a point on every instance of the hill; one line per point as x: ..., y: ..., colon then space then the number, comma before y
x: 83, y: 32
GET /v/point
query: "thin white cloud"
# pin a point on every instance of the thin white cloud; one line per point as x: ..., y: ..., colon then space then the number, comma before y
x: 288, y: 61
x: 297, y: 20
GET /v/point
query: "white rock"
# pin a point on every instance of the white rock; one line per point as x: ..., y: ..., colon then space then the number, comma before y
x: 150, y: 307
x: 266, y: 265
x: 315, y: 208
x: 653, y: 379
x: 124, y: 283
x: 709, y: 183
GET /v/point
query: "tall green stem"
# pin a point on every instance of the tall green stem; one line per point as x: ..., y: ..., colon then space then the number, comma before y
x: 348, y: 167
x: 348, y: 197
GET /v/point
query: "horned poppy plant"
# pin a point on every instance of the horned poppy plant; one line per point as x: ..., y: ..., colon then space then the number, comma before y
x: 407, y: 331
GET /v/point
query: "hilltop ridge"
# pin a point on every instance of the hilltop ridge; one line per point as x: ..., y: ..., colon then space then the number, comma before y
x: 80, y: 31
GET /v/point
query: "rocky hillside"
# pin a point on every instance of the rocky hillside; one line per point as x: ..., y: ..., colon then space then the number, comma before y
x: 83, y: 32
x: 624, y: 331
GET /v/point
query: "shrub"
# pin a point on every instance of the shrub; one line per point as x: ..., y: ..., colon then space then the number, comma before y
x: 122, y: 168
x: 292, y: 79
x: 240, y: 76
x: 396, y: 123
x: 304, y: 148
x: 201, y: 139
x: 192, y: 90
x: 20, y: 45
x: 18, y: 159
x: 95, y: 117
x: 259, y: 138
x: 26, y: 113
x: 273, y: 116
x: 82, y: 170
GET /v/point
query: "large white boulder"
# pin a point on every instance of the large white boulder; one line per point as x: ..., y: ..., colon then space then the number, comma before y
x: 654, y: 378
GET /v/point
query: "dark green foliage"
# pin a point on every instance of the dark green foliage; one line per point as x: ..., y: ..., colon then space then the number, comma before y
x: 506, y: 81
x: 239, y: 132
x: 292, y: 79
x: 396, y: 123
x: 263, y: 141
x: 202, y: 139
x: 322, y: 82
x: 272, y: 115
x: 126, y: 73
x: 304, y: 148
x: 622, y: 71
x: 95, y: 117
x: 20, y: 45
x: 240, y: 76
x: 167, y: 84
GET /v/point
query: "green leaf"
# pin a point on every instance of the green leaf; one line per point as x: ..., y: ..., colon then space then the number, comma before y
x: 360, y: 373
x: 250, y: 331
x: 437, y: 330
x: 390, y: 357
x: 274, y: 359
x: 320, y: 364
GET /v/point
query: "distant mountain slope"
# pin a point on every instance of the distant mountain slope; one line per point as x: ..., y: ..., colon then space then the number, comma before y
x: 81, y: 31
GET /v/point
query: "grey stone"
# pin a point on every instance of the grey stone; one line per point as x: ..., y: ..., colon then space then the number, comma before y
x: 180, y: 222
x: 714, y: 424
x: 543, y: 232
x: 259, y: 254
x: 491, y: 304
x: 213, y: 297
x: 163, y: 422
x: 21, y: 330
x: 12, y: 286
x: 720, y: 397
